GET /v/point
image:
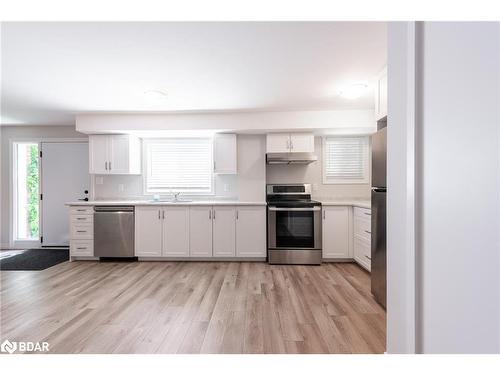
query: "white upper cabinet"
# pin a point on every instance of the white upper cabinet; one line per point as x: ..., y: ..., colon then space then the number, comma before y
x: 381, y: 95
x: 336, y: 232
x: 289, y: 142
x: 114, y: 154
x: 278, y: 142
x: 200, y: 237
x: 175, y: 231
x: 98, y: 154
x: 301, y: 142
x: 251, y: 231
x: 224, y: 231
x: 148, y: 231
x: 225, y: 154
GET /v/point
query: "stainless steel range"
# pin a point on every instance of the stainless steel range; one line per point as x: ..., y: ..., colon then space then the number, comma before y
x: 293, y: 225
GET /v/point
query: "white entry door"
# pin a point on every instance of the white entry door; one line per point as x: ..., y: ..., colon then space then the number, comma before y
x: 65, y: 177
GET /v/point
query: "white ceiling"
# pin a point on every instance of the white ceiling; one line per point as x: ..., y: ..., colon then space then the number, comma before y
x: 51, y: 71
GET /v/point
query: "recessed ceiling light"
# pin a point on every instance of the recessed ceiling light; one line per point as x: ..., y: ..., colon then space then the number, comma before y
x: 353, y: 91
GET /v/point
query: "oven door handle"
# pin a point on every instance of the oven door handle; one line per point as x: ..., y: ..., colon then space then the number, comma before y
x: 316, y: 208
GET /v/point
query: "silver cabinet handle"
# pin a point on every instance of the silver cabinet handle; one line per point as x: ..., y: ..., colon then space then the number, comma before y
x: 368, y: 232
x: 159, y: 217
x: 81, y: 210
x: 366, y: 213
x: 106, y: 165
x: 81, y: 248
x: 210, y: 214
x: 323, y: 214
x: 163, y: 214
x: 214, y: 213
x: 272, y: 208
x: 237, y: 214
x: 81, y: 218
x: 109, y: 165
x: 81, y: 231
x: 370, y: 258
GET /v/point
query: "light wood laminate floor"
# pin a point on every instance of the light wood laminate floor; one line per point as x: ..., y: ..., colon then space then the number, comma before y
x: 193, y: 307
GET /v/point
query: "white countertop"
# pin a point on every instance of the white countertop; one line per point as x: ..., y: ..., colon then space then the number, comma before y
x: 363, y: 203
x: 165, y: 203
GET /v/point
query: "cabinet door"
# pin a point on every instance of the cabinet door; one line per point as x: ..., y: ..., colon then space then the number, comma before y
x: 302, y: 142
x: 119, y: 154
x: 251, y: 231
x: 98, y: 154
x: 362, y: 252
x: 224, y: 231
x: 225, y: 154
x: 278, y: 142
x: 148, y: 231
x: 336, y: 232
x: 175, y: 231
x: 200, y: 231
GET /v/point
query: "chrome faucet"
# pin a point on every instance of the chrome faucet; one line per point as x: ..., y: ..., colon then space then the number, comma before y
x: 176, y: 196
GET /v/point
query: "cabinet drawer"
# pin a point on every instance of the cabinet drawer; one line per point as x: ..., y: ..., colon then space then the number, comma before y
x: 362, y: 227
x: 81, y: 210
x: 82, y: 231
x: 363, y: 212
x: 82, y: 219
x: 362, y: 252
x: 81, y: 248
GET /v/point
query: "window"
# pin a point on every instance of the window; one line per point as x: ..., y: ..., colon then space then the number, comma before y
x: 26, y: 191
x: 345, y: 160
x: 179, y: 164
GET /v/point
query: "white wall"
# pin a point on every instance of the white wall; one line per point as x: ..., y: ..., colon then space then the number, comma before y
x: 351, y: 121
x: 400, y: 187
x: 248, y: 185
x: 460, y: 189
x: 313, y: 174
x: 9, y: 133
x: 456, y: 188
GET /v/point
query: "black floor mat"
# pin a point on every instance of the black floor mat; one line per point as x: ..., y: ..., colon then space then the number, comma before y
x: 34, y: 259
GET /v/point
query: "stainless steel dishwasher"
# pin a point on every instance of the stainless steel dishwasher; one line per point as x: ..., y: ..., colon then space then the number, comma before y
x: 114, y: 231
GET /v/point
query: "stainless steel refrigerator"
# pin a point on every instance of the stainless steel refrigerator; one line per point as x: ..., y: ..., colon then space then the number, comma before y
x: 379, y: 194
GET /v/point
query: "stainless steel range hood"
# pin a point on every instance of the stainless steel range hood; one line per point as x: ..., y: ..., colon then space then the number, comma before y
x: 291, y: 158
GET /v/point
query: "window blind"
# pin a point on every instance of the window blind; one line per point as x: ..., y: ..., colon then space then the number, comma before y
x: 345, y: 160
x: 179, y: 164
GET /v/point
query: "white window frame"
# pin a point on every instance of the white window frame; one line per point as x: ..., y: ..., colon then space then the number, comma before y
x: 366, y: 167
x: 25, y: 242
x: 145, y: 191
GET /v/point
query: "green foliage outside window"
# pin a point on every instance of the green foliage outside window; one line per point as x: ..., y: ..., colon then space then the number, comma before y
x: 32, y: 184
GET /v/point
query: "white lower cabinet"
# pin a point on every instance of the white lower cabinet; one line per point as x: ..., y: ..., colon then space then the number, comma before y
x: 175, y: 231
x: 336, y: 232
x: 148, y: 231
x: 200, y: 231
x: 251, y: 231
x: 362, y: 237
x: 224, y: 231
